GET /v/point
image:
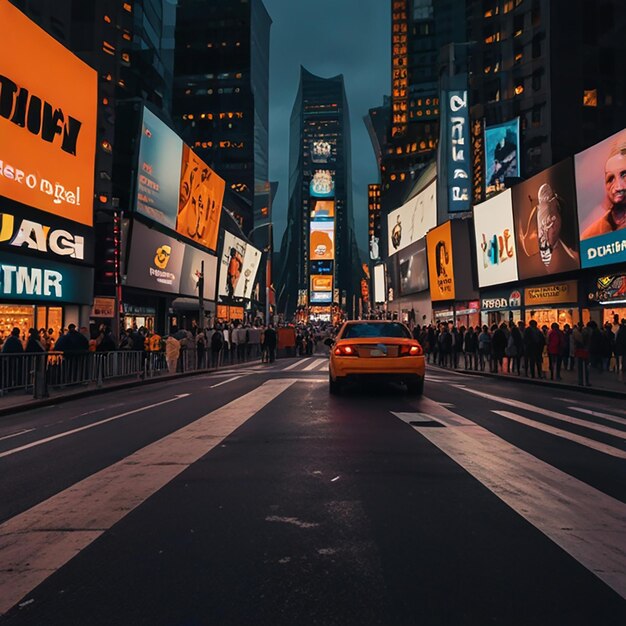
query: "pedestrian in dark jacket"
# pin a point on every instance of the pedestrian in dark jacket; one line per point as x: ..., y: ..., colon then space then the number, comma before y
x: 271, y: 340
x: 515, y: 348
x: 620, y: 346
x: 13, y: 344
x: 498, y: 346
x: 533, y: 348
x: 33, y: 345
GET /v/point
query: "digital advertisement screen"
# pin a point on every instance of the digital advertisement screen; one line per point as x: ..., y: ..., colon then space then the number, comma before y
x: 322, y: 209
x: 155, y: 260
x: 496, y: 254
x: 190, y: 273
x: 325, y: 268
x: 48, y: 109
x: 321, y: 283
x: 322, y: 184
x: 238, y: 268
x: 322, y: 151
x: 601, y: 192
x: 413, y: 268
x: 501, y: 155
x: 546, y: 232
x: 200, y: 201
x: 413, y: 219
x: 322, y: 241
x: 321, y: 296
x: 379, y: 283
x: 441, y: 263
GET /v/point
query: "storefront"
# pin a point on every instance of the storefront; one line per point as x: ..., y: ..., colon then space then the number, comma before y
x: 547, y: 304
x: 606, y: 298
x: 467, y: 313
x: 500, y: 305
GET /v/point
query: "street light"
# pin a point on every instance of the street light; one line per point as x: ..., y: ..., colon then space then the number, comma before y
x: 268, y: 266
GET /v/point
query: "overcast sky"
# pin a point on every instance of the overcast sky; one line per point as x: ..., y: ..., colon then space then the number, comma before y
x: 328, y: 37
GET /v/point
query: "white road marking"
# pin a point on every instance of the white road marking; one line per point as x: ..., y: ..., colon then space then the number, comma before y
x: 228, y: 380
x: 323, y: 367
x: 606, y: 416
x: 607, y: 430
x: 291, y: 520
x: 564, y: 434
x: 36, y: 543
x: 586, y: 523
x: 296, y: 364
x: 67, y: 433
x: 315, y: 364
x: 22, y: 432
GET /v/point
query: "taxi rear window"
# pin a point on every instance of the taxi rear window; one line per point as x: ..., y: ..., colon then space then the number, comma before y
x: 355, y: 331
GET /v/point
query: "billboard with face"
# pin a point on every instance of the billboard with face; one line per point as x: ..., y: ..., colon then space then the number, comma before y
x: 546, y: 232
x: 601, y: 192
x: 322, y: 241
x: 238, y: 268
x: 441, y: 263
x: 501, y: 155
x: 413, y: 220
x: 48, y: 108
x: 190, y: 273
x: 496, y: 255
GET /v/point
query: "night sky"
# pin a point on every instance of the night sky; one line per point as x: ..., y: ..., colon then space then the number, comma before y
x: 328, y: 37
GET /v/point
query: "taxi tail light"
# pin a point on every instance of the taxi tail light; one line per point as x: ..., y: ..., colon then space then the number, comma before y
x: 411, y: 350
x: 345, y: 351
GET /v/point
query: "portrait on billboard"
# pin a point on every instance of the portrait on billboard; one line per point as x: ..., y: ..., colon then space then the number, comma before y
x: 440, y: 263
x: 158, y: 176
x: 546, y: 229
x: 601, y: 191
x: 200, y: 200
x: 322, y: 241
x: 190, y: 274
x: 501, y: 154
x: 238, y: 268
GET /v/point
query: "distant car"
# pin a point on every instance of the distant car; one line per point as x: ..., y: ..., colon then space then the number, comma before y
x: 376, y: 349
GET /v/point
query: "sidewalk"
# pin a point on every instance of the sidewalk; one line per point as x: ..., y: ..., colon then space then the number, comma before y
x: 602, y: 383
x: 18, y: 401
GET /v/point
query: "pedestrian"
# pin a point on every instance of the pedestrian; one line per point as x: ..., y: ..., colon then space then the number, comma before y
x: 468, y: 340
x: 200, y: 348
x: 217, y: 345
x: 172, y: 351
x: 514, y: 348
x: 105, y: 341
x: 498, y: 346
x: 13, y: 343
x: 34, y: 345
x: 595, y: 345
x: 556, y: 340
x: 533, y: 348
x: 608, y: 346
x: 620, y: 346
x: 75, y: 349
x: 582, y: 337
x: 484, y: 348
x: 271, y: 340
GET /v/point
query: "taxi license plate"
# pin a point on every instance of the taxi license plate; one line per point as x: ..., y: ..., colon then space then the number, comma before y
x: 376, y: 352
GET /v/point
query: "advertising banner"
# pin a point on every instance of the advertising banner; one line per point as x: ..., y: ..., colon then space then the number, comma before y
x: 322, y: 209
x: 103, y: 306
x: 200, y: 201
x: 441, y: 263
x: 413, y: 219
x: 501, y: 155
x: 321, y: 283
x: 321, y: 296
x: 501, y: 300
x: 496, y: 255
x: 155, y: 260
x: 322, y: 184
x: 601, y: 192
x: 379, y: 283
x: 413, y: 268
x: 546, y: 232
x: 37, y: 280
x: 48, y: 109
x: 324, y: 268
x: 322, y: 151
x: 322, y: 241
x: 609, y: 289
x: 238, y: 268
x: 44, y: 235
x: 561, y: 293
x: 158, y: 177
x: 190, y: 273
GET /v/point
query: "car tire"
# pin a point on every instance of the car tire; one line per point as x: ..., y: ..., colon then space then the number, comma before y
x: 334, y: 386
x: 415, y: 386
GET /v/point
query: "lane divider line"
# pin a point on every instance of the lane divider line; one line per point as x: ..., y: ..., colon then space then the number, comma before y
x: 229, y: 380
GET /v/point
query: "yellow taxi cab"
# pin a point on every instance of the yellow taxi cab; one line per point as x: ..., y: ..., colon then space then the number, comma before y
x: 376, y: 349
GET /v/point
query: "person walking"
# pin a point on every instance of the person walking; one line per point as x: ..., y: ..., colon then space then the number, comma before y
x: 468, y: 340
x: 271, y: 339
x: 201, y: 343
x: 498, y: 347
x: 172, y: 351
x: 515, y: 348
x: 217, y: 345
x: 484, y: 348
x: 582, y: 337
x: 556, y: 340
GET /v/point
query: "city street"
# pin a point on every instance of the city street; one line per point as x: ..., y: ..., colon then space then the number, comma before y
x: 252, y: 496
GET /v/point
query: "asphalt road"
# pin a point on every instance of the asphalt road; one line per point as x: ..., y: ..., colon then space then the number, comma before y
x: 253, y: 497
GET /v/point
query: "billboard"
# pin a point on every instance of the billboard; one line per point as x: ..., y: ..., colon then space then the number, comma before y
x: 190, y: 273
x: 413, y: 219
x: 175, y: 187
x: 324, y: 268
x: 546, y: 232
x: 441, y: 263
x: 322, y: 151
x: 322, y: 209
x: 413, y: 268
x: 321, y: 297
x: 601, y: 193
x: 48, y: 109
x: 321, y: 283
x: 501, y: 155
x: 379, y: 283
x: 155, y: 260
x: 322, y: 184
x: 496, y: 254
x: 322, y: 241
x: 200, y: 201
x: 238, y: 268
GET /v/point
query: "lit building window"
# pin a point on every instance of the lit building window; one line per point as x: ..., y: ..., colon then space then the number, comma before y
x: 127, y: 6
x: 590, y: 98
x: 108, y: 48
x: 519, y: 89
x: 107, y: 19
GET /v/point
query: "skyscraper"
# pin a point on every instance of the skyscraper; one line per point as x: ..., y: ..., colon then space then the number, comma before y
x: 317, y: 252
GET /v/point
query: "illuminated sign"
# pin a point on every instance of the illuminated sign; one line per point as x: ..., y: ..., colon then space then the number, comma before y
x: 238, y: 268
x: 324, y: 268
x: 373, y: 211
x: 501, y: 155
x: 413, y: 268
x: 457, y: 150
x: 190, y: 273
x: 322, y: 184
x: 399, y: 67
x: 321, y: 296
x: 322, y: 241
x: 440, y: 263
x: 321, y: 151
x: 323, y: 209
x: 501, y: 300
x: 609, y: 289
x: 321, y: 283
x: 560, y: 293
x: 21, y: 279
x: 379, y: 283
x: 47, y: 121
x: 478, y: 161
x: 103, y: 307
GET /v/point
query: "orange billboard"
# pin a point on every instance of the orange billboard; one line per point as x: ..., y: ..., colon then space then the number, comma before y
x: 321, y: 283
x: 48, y: 111
x: 200, y: 200
x: 440, y: 263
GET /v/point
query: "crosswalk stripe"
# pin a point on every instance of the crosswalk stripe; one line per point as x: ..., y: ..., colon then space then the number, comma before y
x: 296, y: 364
x: 606, y: 416
x: 313, y: 365
x: 36, y: 543
x: 607, y: 430
x: 557, y: 504
x: 564, y: 434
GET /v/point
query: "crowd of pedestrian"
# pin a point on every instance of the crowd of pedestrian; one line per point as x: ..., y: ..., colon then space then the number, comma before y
x: 520, y: 347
